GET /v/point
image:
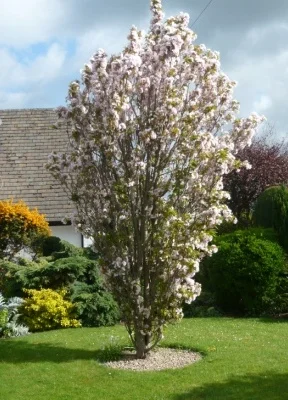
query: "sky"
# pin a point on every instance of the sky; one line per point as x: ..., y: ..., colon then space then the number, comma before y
x: 45, y: 43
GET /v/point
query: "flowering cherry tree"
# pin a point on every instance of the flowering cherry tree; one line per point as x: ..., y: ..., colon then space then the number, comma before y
x: 147, y: 155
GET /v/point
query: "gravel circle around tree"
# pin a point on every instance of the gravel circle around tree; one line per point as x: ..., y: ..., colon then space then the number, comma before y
x: 162, y: 358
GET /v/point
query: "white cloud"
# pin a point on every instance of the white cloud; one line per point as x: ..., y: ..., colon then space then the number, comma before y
x: 257, y: 34
x: 13, y: 100
x: 47, y: 67
x: 91, y: 41
x: 23, y: 23
x: 111, y: 40
x: 263, y: 104
x: 42, y: 69
x: 263, y: 83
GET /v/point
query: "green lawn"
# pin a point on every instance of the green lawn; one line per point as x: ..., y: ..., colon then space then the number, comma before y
x: 243, y: 359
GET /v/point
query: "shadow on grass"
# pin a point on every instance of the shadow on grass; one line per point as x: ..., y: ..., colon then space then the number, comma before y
x: 17, y: 352
x: 178, y: 346
x: 267, y: 386
x: 20, y: 351
x: 278, y: 320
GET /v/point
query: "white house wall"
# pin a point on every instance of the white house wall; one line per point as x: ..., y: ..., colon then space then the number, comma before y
x: 68, y: 233
x: 87, y: 242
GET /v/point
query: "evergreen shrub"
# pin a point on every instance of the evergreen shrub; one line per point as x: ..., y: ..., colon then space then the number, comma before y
x: 244, y: 274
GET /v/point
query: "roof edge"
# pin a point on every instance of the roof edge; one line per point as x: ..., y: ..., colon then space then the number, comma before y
x: 29, y: 109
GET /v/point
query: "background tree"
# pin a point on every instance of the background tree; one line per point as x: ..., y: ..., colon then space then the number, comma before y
x: 271, y: 211
x: 148, y: 151
x: 269, y: 161
x: 20, y: 228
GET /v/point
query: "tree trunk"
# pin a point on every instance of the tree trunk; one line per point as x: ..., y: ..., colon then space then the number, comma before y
x: 140, y: 345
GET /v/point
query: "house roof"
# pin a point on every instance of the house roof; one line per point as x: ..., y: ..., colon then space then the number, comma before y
x: 26, y: 140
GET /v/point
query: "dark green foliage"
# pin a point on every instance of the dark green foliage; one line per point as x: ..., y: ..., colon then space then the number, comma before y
x: 69, y: 267
x: 67, y: 250
x: 244, y: 274
x: 278, y: 305
x: 244, y: 222
x: 55, y: 272
x: 271, y: 211
x: 203, y: 306
x: 257, y: 232
x: 95, y: 306
x: 2, y: 275
x: 64, y: 271
x: 25, y: 274
x: 50, y: 245
x: 45, y: 274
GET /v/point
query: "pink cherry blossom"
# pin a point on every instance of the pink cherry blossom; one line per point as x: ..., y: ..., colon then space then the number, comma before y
x: 153, y: 131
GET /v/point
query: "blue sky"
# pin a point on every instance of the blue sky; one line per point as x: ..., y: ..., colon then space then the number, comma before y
x: 44, y: 44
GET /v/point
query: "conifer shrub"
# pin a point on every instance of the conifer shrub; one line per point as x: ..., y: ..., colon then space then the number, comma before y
x: 50, y: 245
x: 46, y: 274
x: 66, y: 250
x: 95, y: 306
x: 79, y: 275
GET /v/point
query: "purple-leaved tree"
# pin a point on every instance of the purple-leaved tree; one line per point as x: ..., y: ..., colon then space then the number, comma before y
x: 269, y: 160
x: 148, y: 152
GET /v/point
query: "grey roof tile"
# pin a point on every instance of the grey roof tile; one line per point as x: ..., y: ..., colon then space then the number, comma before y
x: 26, y: 140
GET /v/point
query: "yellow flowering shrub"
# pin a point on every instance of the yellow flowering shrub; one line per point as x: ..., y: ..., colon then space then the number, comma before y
x: 20, y: 227
x: 47, y: 309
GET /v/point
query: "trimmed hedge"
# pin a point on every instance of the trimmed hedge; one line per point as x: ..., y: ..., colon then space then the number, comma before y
x: 244, y: 274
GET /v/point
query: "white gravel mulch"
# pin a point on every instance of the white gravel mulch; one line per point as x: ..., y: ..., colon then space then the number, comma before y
x: 162, y: 358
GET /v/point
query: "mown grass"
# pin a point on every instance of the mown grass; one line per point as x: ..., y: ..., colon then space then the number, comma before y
x: 243, y: 359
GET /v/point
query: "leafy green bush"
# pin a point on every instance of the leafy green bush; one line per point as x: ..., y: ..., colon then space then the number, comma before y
x: 9, y: 316
x: 46, y: 309
x: 244, y: 273
x: 271, y: 211
x: 257, y: 232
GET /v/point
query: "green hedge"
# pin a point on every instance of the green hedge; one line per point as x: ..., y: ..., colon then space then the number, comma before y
x: 244, y: 273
